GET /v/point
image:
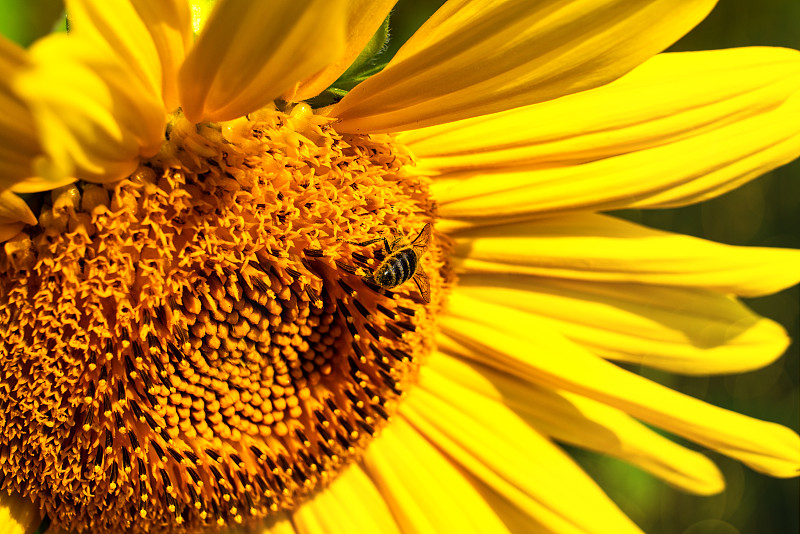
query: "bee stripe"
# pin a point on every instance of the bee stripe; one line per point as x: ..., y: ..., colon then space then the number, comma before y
x: 394, y: 265
x: 397, y: 269
x: 409, y: 261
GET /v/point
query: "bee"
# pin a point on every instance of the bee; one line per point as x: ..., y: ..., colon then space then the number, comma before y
x: 401, y: 263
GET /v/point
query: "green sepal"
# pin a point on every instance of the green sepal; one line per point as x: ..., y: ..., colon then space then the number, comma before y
x: 369, y: 62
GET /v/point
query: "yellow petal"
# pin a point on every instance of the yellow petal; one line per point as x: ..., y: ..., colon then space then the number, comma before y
x: 587, y: 246
x: 18, y: 515
x: 676, y: 158
x: 349, y: 505
x: 493, y: 444
x: 477, y: 57
x: 14, y: 215
x: 666, y: 99
x: 249, y: 53
x: 687, y: 331
x: 582, y: 422
x: 37, y: 184
x: 13, y: 209
x: 96, y: 117
x: 522, y: 344
x: 9, y: 230
x: 424, y: 490
x: 19, y: 146
x: 150, y: 38
x: 364, y: 17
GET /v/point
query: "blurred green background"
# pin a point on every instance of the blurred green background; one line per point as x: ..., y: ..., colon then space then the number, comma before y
x: 763, y: 213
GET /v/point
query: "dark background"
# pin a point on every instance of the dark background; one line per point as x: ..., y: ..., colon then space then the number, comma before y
x: 763, y: 213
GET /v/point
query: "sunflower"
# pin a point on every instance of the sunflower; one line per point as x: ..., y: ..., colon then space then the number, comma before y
x: 226, y: 305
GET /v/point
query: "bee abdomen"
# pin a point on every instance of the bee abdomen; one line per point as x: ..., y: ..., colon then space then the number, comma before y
x: 396, y: 269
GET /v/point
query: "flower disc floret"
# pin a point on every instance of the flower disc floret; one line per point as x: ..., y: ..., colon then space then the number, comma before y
x: 201, y: 343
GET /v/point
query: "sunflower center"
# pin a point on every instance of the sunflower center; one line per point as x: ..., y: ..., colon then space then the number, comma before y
x: 208, y: 341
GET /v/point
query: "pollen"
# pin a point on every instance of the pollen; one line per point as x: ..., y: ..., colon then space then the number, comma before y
x: 201, y: 343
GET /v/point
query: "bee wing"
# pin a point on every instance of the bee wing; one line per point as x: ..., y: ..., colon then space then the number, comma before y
x: 424, y: 286
x: 420, y: 242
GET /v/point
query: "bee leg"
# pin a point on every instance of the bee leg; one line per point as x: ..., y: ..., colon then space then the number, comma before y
x: 365, y: 243
x: 371, y: 241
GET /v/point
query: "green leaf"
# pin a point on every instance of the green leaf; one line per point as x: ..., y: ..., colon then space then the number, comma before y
x: 365, y: 60
x: 369, y: 62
